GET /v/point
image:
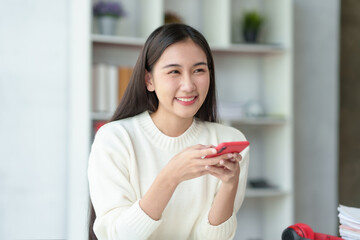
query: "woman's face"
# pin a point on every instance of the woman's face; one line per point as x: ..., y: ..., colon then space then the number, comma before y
x: 180, y: 79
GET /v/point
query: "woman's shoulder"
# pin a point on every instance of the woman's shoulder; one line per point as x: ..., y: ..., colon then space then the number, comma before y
x: 114, y: 126
x: 116, y: 129
x: 229, y: 133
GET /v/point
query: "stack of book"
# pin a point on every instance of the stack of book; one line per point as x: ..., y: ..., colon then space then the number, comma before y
x: 349, y: 218
x: 109, y: 84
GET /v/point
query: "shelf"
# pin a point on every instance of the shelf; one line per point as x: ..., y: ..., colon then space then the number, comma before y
x: 265, y: 121
x: 101, y: 116
x: 233, y: 48
x: 261, y: 192
x: 118, y: 40
x: 249, y: 48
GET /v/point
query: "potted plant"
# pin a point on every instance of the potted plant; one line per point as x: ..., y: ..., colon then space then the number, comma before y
x: 107, y: 14
x: 252, y: 23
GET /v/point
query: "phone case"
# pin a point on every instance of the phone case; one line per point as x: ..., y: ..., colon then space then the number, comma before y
x: 229, y: 147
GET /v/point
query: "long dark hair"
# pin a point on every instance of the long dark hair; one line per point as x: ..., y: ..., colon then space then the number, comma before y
x: 138, y: 99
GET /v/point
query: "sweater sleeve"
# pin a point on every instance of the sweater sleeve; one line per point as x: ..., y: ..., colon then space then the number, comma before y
x: 227, y: 229
x: 114, y: 197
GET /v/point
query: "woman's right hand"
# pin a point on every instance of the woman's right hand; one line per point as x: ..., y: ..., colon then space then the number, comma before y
x: 190, y: 163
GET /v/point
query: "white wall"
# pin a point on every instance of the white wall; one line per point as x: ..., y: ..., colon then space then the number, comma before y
x: 33, y: 119
x: 316, y: 36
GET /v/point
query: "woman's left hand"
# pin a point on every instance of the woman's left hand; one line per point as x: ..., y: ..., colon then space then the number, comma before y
x: 228, y: 169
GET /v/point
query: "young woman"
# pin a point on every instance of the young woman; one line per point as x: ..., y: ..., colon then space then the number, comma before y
x: 147, y: 173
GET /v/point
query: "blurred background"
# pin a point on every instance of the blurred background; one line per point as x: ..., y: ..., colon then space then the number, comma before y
x: 293, y: 90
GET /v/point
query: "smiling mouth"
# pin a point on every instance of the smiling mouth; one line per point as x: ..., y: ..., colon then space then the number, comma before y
x: 186, y: 99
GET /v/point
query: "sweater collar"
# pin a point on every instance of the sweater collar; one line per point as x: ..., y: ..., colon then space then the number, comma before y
x: 163, y: 141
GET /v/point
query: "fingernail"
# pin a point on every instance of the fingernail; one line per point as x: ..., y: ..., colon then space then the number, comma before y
x: 221, y: 162
x: 214, y: 151
x: 230, y: 155
x: 207, y: 167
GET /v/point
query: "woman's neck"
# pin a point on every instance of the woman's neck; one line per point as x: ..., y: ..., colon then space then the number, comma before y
x: 171, y: 126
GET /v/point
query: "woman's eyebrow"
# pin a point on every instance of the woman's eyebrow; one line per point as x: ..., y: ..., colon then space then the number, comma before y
x: 178, y: 65
x: 172, y: 65
x: 200, y: 63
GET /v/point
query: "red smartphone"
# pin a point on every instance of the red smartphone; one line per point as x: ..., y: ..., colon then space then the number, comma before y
x: 229, y: 147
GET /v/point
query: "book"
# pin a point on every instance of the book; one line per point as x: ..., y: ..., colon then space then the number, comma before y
x: 349, y: 218
x: 100, y: 88
x: 112, y: 88
x: 124, y: 75
x: 109, y: 85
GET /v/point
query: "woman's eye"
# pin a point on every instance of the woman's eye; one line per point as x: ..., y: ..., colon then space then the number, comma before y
x: 199, y: 70
x: 174, y: 72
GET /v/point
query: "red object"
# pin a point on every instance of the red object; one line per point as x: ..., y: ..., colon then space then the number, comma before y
x: 98, y: 125
x: 304, y: 231
x: 229, y: 147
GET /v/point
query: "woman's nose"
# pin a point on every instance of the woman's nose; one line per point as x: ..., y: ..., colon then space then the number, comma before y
x: 188, y: 83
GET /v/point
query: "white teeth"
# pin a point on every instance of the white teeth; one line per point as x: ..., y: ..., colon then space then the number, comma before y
x: 186, y: 99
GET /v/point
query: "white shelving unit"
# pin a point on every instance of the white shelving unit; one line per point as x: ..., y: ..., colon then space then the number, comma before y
x: 262, y: 193
x: 231, y: 48
x: 244, y: 72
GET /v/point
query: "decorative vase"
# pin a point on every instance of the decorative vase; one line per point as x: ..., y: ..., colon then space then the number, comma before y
x: 107, y: 25
x: 250, y: 35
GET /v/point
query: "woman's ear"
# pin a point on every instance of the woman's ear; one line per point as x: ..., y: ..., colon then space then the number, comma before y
x: 149, y: 82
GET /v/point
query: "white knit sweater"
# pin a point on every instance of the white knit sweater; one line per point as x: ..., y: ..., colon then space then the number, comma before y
x: 126, y: 157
